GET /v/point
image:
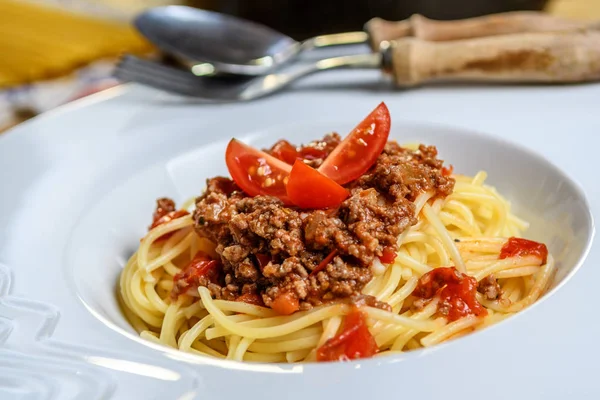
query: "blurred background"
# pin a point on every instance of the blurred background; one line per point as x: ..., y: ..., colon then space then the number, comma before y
x: 55, y: 51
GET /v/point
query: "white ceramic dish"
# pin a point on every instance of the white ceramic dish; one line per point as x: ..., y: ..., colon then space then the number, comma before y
x: 78, y: 187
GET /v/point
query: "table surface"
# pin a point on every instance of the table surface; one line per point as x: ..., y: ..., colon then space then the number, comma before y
x: 19, y: 104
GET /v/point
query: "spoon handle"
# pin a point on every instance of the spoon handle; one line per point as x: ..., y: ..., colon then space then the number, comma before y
x: 496, y: 24
x: 569, y: 56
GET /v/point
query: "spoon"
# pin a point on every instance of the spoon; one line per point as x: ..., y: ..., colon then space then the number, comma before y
x: 225, y: 43
x: 208, y: 42
x: 539, y: 57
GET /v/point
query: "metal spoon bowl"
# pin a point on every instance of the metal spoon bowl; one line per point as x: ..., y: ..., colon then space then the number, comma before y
x: 209, y: 42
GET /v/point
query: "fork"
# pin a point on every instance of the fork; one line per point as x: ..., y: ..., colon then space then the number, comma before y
x: 553, y: 57
x: 229, y: 88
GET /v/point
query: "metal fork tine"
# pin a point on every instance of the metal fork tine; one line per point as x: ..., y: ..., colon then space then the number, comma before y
x: 220, y: 89
x: 166, y: 78
x: 158, y: 76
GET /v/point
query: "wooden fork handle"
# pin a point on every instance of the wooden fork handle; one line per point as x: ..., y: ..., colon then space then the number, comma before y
x: 570, y: 56
x: 424, y: 28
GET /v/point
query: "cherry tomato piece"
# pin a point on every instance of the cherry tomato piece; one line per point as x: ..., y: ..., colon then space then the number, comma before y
x: 355, y: 341
x: 307, y: 188
x: 388, y: 256
x: 202, y: 265
x: 285, y: 304
x: 284, y: 151
x: 360, y: 149
x: 320, y: 149
x: 251, y: 298
x: 256, y: 172
x: 515, y: 247
x: 456, y: 291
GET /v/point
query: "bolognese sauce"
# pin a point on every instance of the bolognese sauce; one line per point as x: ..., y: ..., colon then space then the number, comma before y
x: 314, y: 256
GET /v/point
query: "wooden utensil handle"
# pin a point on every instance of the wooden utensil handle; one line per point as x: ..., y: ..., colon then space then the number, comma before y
x: 570, y: 56
x: 497, y: 24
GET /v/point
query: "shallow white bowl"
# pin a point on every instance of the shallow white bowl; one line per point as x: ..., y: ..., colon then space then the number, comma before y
x: 540, y: 193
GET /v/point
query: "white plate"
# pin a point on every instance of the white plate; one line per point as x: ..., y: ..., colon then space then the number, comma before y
x: 78, y: 185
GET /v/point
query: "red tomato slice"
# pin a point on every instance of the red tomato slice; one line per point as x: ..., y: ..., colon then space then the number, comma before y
x: 360, y: 149
x: 251, y: 298
x: 256, y: 172
x: 388, y: 256
x: 355, y: 341
x: 516, y: 247
x: 285, y: 304
x: 284, y: 151
x: 189, y: 278
x: 307, y: 188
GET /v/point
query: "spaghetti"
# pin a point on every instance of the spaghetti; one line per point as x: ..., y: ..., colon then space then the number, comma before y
x: 469, y: 229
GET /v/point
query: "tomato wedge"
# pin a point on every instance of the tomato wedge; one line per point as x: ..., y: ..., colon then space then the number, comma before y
x: 360, y: 149
x: 284, y: 151
x: 307, y: 188
x: 388, y: 256
x: 251, y: 298
x: 202, y: 265
x: 355, y: 341
x: 285, y: 304
x: 256, y: 172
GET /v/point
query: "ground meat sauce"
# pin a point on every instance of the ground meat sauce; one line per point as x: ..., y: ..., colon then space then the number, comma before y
x: 165, y: 212
x: 270, y: 249
x: 163, y: 207
x: 312, y: 154
x: 489, y: 287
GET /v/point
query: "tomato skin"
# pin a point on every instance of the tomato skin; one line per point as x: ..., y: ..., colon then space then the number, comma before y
x: 516, y: 247
x: 307, y: 188
x: 168, y: 218
x: 285, y: 304
x: 323, y: 264
x: 164, y: 206
x: 164, y: 218
x: 455, y: 290
x: 251, y: 298
x: 263, y: 260
x: 360, y: 149
x: 284, y: 151
x: 202, y: 265
x: 315, y: 150
x: 256, y: 172
x: 388, y: 256
x: 354, y: 342
x: 319, y: 149
x: 447, y: 171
